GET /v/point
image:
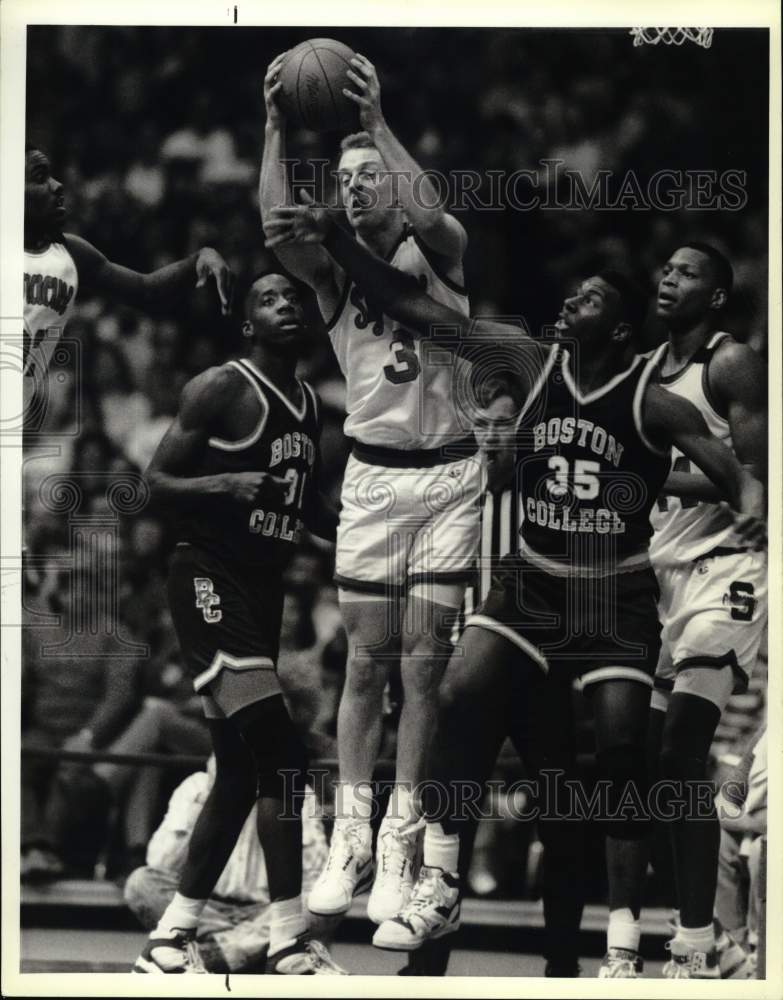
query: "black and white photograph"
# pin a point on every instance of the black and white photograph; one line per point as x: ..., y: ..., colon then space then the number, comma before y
x: 391, y: 510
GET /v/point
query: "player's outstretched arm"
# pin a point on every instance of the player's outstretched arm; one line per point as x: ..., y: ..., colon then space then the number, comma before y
x: 164, y: 287
x: 673, y: 420
x: 396, y: 293
x: 310, y: 264
x: 400, y: 296
x: 170, y: 474
x: 415, y: 191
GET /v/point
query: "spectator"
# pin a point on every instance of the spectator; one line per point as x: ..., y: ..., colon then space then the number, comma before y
x: 159, y: 727
x: 80, y: 689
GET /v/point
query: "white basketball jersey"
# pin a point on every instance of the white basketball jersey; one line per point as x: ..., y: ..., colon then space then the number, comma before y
x: 687, y: 529
x: 51, y: 282
x: 399, y: 388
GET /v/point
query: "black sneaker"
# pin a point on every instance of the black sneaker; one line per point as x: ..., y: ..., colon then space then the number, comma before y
x: 166, y: 955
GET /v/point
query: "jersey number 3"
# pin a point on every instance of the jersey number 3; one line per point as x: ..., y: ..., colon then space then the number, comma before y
x: 405, y: 367
x: 207, y: 600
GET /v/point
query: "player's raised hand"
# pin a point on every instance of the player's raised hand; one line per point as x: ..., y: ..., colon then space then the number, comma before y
x: 209, y: 264
x: 367, y: 95
x: 272, y: 85
x: 248, y: 487
x: 305, y: 222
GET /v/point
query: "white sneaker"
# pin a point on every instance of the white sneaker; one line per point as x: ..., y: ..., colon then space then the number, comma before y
x: 687, y: 963
x: 733, y: 961
x: 621, y: 963
x: 347, y: 872
x: 304, y: 957
x: 432, y: 912
x: 394, y: 862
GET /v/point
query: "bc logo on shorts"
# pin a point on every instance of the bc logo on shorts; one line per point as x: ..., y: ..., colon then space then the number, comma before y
x: 207, y: 600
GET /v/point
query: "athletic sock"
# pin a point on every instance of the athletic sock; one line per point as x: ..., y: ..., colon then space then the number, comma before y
x: 624, y: 930
x: 182, y: 912
x: 286, y: 922
x: 441, y: 850
x: 697, y: 938
x: 400, y: 807
x: 354, y: 801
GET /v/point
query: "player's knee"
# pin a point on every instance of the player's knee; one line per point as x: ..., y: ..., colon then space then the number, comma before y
x: 365, y: 676
x: 235, y: 789
x: 281, y: 769
x: 623, y: 769
x: 235, y: 778
x: 421, y: 678
x: 278, y: 783
x: 423, y: 663
x: 452, y: 704
x: 430, y: 645
x: 684, y: 789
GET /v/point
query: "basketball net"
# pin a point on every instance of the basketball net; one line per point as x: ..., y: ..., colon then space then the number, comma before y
x: 672, y: 36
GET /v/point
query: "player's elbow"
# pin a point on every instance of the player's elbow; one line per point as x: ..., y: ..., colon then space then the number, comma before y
x: 142, y: 292
x: 154, y: 479
x: 443, y: 233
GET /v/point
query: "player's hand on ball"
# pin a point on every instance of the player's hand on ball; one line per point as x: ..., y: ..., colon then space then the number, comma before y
x: 302, y: 223
x: 272, y: 86
x: 368, y: 92
x: 247, y: 487
x: 209, y: 264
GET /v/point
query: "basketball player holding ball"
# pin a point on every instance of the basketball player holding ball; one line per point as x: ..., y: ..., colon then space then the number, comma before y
x: 408, y: 528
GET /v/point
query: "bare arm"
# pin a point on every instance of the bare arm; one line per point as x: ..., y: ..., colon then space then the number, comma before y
x: 164, y: 287
x: 400, y: 296
x: 673, y: 420
x: 310, y: 264
x: 170, y: 473
x: 738, y: 379
x: 692, y: 485
x: 417, y: 194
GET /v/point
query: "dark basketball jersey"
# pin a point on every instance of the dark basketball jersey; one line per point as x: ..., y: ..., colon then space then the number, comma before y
x: 586, y: 473
x: 284, y: 444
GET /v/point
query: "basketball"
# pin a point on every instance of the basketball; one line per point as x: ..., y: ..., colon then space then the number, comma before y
x: 313, y: 76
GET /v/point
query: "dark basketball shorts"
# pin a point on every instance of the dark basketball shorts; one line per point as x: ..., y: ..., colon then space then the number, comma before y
x: 597, y: 628
x: 227, y: 619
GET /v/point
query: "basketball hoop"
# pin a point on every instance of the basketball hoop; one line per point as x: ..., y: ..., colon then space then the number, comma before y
x: 672, y: 36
